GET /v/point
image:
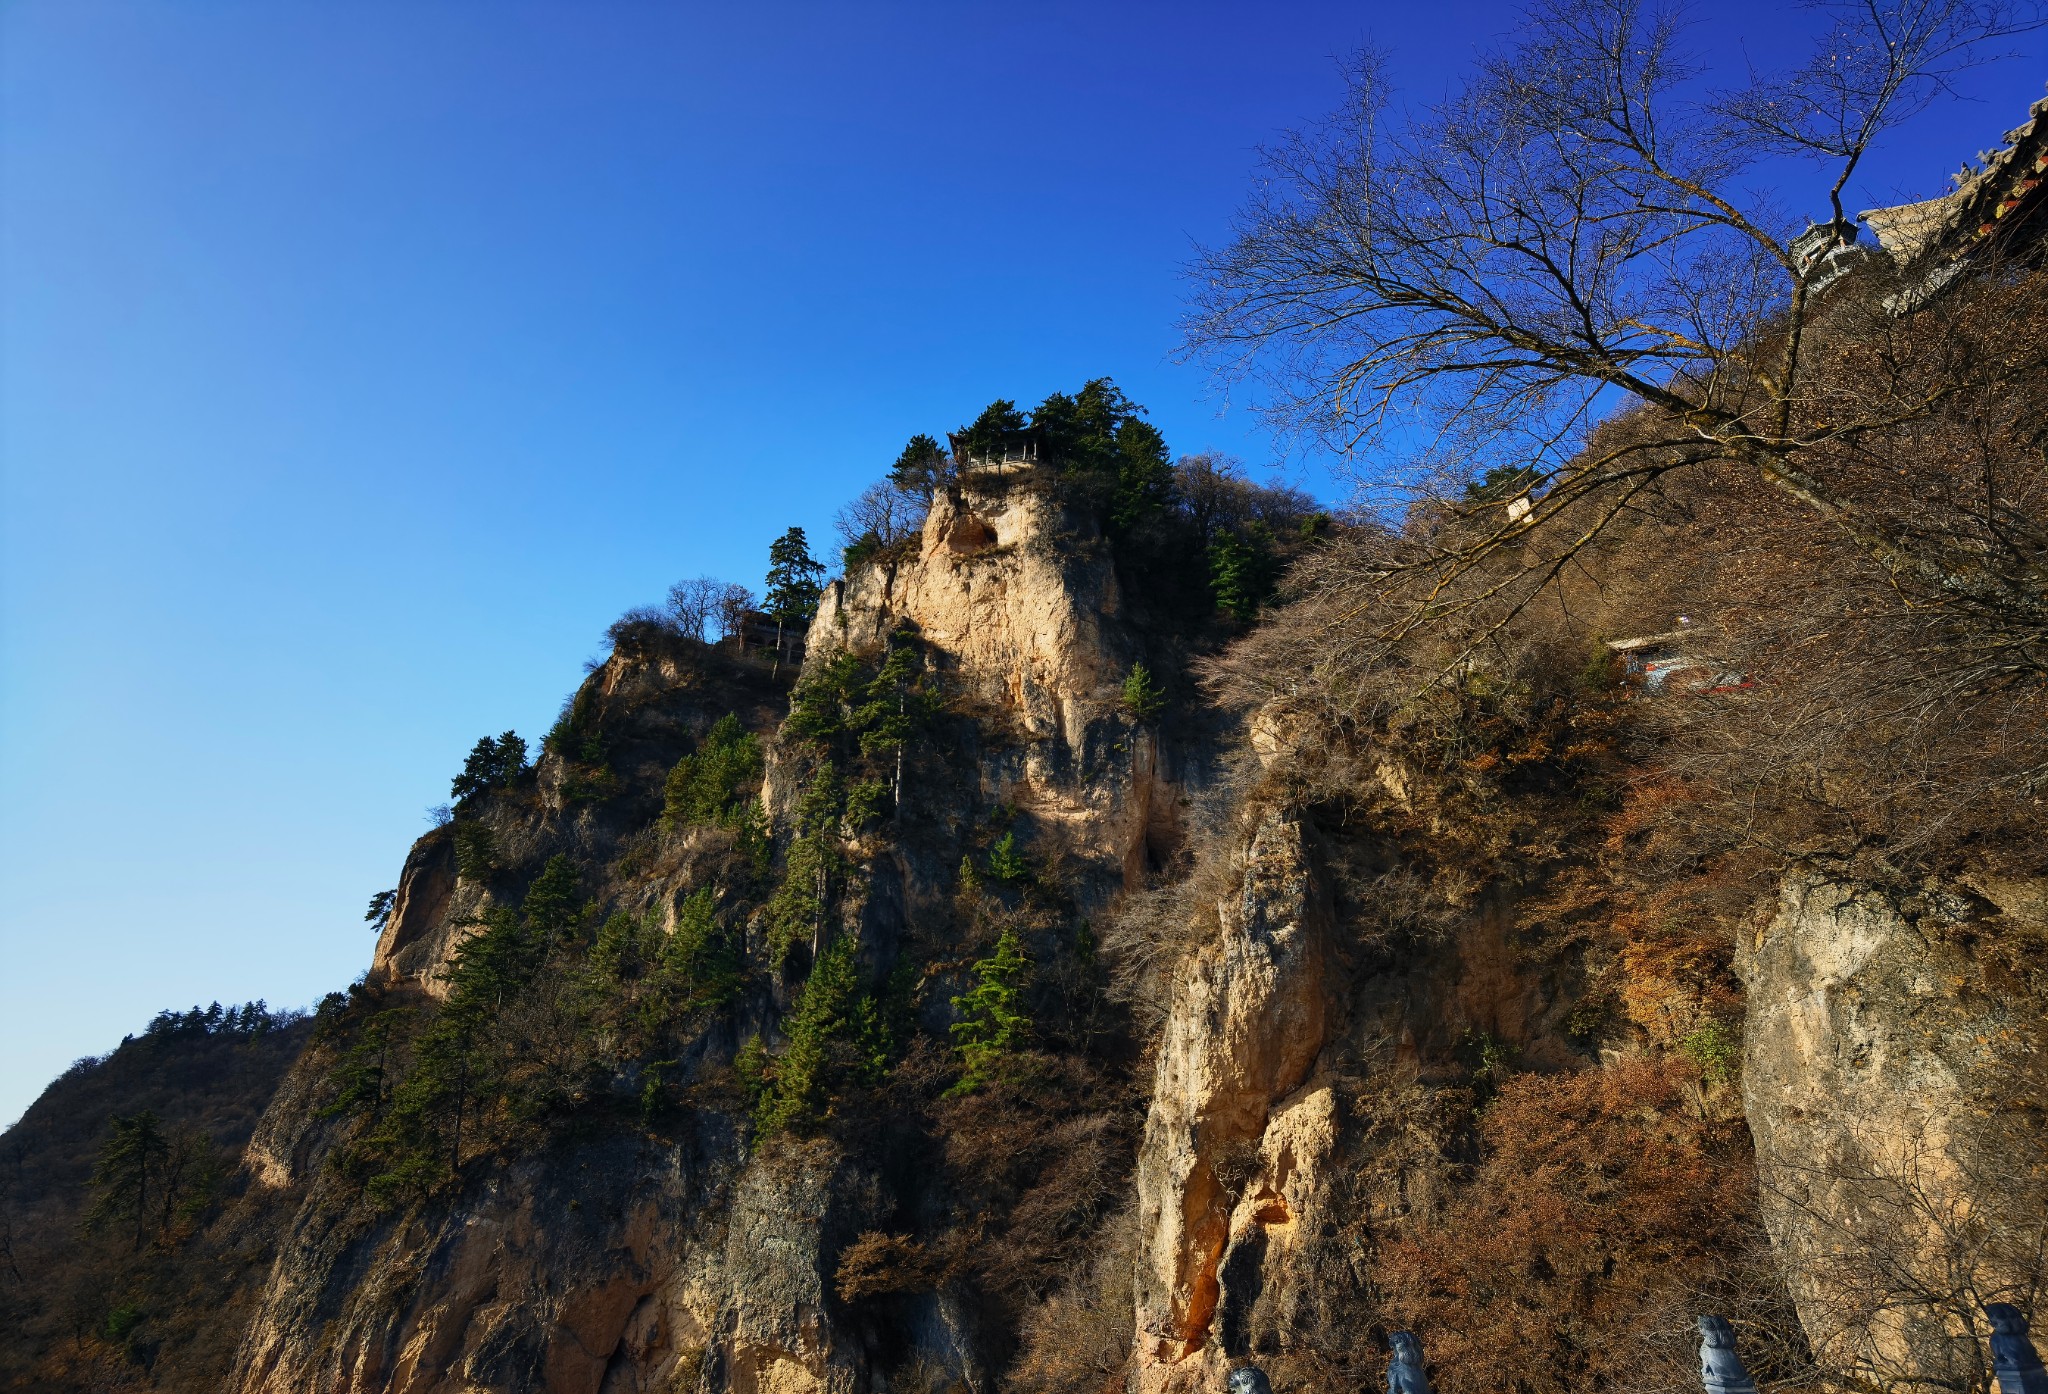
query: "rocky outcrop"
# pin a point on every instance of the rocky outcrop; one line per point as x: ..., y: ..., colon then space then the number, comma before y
x: 1228, y: 1155
x: 652, y: 701
x: 539, y: 1280
x: 614, y: 1268
x: 1879, y: 1061
x: 1018, y: 597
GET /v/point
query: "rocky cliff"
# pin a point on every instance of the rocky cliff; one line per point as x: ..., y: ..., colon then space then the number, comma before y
x: 680, y: 1250
x: 942, y: 1017
x: 1891, y: 1078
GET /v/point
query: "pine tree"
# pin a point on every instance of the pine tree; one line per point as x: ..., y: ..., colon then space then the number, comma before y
x: 822, y: 1013
x: 713, y: 784
x: 1143, y: 698
x: 899, y: 703
x: 1005, y: 862
x: 922, y: 469
x: 992, y: 1018
x: 492, y: 764
x: 795, y: 583
x: 1243, y: 570
x: 985, y: 437
x: 129, y: 1173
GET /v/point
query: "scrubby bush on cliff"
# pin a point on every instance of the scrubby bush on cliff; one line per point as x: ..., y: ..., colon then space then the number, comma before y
x: 1601, y: 1206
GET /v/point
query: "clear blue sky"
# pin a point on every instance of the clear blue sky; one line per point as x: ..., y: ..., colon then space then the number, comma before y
x: 360, y: 362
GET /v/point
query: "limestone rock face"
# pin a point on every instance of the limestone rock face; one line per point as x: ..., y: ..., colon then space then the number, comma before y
x: 1018, y: 597
x: 1228, y: 1155
x: 617, y: 1268
x: 1875, y: 1049
x: 627, y: 1264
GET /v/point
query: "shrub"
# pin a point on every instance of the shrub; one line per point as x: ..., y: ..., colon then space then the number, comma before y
x: 1599, y: 1200
x: 1717, y: 1049
x: 576, y: 734
x: 640, y: 631
x: 1143, y: 698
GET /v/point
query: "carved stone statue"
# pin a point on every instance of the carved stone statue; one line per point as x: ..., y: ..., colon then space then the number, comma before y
x: 1404, y: 1370
x: 1721, y: 1369
x: 1249, y: 1379
x: 2013, y: 1358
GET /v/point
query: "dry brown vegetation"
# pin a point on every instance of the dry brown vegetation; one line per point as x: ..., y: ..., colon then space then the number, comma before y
x: 1557, y: 861
x: 83, y: 1310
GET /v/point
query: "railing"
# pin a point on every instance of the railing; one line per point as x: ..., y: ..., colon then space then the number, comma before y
x: 2014, y: 1361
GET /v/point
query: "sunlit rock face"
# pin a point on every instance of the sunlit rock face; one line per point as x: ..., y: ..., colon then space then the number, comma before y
x: 1877, y: 1050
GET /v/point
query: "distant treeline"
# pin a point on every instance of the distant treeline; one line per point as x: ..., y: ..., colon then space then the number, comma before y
x: 251, y: 1019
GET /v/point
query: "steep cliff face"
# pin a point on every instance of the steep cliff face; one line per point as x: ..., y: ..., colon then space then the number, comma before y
x: 1882, y: 1051
x: 1224, y: 1143
x: 674, y: 1250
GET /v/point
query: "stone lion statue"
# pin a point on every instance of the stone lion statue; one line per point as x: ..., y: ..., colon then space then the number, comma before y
x: 1404, y: 1370
x: 1720, y: 1367
x: 2013, y: 1358
x: 1249, y: 1379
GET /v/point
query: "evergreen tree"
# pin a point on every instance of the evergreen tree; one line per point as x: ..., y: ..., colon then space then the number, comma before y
x: 822, y: 1013
x: 381, y: 905
x: 1005, y: 862
x: 985, y: 437
x: 1243, y: 570
x: 922, y: 469
x: 492, y: 764
x: 1144, y: 476
x: 796, y: 580
x: 129, y: 1173
x: 713, y: 785
x: 992, y: 1018
x: 1143, y: 698
x: 1098, y: 438
x: 797, y: 909
x: 702, y: 963
x: 899, y: 704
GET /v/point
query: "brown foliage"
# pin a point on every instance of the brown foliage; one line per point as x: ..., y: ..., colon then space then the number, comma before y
x: 1599, y: 1196
x: 877, y: 1263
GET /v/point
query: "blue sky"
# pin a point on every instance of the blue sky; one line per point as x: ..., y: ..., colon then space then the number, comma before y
x: 359, y: 363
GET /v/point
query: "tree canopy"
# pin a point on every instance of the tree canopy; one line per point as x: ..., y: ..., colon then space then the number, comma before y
x: 795, y: 579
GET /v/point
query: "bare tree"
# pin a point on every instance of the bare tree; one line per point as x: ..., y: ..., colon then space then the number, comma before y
x: 1217, y: 497
x: 734, y: 601
x: 1486, y: 280
x: 693, y: 604
x: 1893, y: 1247
x: 883, y: 514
